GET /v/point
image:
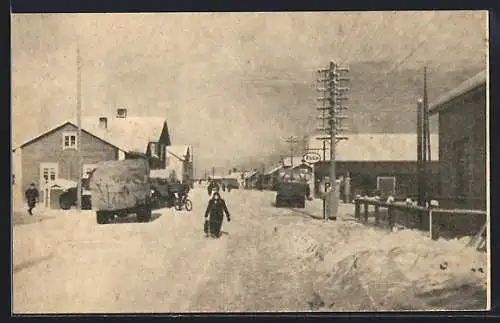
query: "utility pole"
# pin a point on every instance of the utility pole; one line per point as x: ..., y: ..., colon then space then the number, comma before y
x: 332, y: 102
x: 427, y: 140
x: 79, y: 125
x: 420, y: 152
x: 213, y: 172
x: 292, y: 141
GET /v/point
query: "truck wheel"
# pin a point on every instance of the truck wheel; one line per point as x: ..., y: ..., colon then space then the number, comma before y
x: 144, y: 214
x: 102, y: 217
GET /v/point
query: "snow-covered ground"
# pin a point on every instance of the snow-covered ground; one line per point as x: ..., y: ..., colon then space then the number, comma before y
x: 268, y: 259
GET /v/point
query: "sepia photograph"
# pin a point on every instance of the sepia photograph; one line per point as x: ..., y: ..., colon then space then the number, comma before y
x: 203, y: 162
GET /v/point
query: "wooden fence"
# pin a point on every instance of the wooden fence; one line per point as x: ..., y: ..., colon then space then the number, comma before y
x: 422, y: 212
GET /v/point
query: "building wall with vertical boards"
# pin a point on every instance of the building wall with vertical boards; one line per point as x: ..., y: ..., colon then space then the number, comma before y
x: 48, y: 149
x: 364, y: 176
x: 462, y: 129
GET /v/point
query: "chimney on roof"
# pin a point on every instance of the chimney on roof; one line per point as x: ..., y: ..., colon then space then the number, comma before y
x: 103, y: 123
x: 121, y: 113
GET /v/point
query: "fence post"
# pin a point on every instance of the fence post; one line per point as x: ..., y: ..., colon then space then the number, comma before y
x: 430, y: 224
x: 366, y: 211
x: 377, y: 213
x: 435, y: 229
x: 357, y: 209
x: 390, y: 215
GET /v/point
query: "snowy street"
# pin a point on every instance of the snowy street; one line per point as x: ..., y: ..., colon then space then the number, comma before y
x: 268, y: 259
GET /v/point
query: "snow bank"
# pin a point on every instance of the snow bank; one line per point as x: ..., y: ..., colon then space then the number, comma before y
x: 357, y: 268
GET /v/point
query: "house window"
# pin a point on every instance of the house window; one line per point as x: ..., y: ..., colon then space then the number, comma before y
x: 163, y: 155
x: 154, y: 149
x: 87, y: 169
x: 386, y: 185
x: 69, y: 140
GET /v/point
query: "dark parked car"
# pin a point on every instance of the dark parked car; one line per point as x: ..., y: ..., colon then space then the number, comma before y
x: 68, y: 198
x: 291, y: 194
x: 232, y: 184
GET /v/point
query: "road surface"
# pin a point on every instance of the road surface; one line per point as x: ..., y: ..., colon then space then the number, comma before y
x: 268, y: 259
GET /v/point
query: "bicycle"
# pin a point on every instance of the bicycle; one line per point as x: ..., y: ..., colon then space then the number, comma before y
x: 185, y: 202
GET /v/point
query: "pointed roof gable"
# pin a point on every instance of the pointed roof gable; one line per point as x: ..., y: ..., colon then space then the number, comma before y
x: 126, y: 134
x: 180, y: 151
x: 273, y: 170
x: 99, y: 135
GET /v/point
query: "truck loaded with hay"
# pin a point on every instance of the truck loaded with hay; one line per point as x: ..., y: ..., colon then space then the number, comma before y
x: 120, y: 188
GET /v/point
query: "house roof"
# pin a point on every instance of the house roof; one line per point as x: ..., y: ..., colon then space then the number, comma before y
x: 249, y: 174
x: 103, y: 136
x: 273, y: 170
x: 236, y: 175
x: 126, y: 134
x: 179, y: 151
x: 377, y: 147
x: 133, y: 133
x: 469, y: 85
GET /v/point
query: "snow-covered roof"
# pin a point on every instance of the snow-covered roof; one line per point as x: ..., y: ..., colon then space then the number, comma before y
x: 179, y: 151
x: 126, y: 134
x: 236, y: 175
x: 377, y: 147
x: 273, y: 170
x: 249, y: 174
x: 474, y: 82
x: 134, y: 133
x: 62, y: 183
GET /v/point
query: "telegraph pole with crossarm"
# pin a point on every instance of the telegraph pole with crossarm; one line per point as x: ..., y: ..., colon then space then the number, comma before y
x: 292, y: 141
x: 333, y: 95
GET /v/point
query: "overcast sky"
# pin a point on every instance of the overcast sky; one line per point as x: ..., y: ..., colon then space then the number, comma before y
x: 198, y: 69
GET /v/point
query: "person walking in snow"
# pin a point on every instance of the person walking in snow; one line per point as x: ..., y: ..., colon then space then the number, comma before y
x: 214, y: 215
x: 31, y: 197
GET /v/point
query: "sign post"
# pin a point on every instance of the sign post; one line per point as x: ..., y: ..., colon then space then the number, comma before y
x: 325, y: 187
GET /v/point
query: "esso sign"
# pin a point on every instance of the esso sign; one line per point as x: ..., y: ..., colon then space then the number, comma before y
x: 311, y: 158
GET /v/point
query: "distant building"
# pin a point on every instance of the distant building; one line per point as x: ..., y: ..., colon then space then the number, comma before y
x: 250, y: 179
x: 385, y: 163
x: 180, y: 163
x: 240, y: 177
x: 271, y: 177
x: 52, y: 154
x: 462, y: 143
x: 298, y: 168
x: 291, y: 161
